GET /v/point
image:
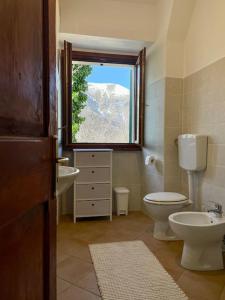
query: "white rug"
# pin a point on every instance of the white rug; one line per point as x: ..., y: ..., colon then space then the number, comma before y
x: 129, y: 271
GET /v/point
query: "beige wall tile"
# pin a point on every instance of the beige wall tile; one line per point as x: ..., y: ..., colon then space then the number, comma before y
x: 173, y: 183
x: 203, y: 112
x: 174, y: 86
x: 152, y: 176
x: 218, y: 154
x: 171, y: 134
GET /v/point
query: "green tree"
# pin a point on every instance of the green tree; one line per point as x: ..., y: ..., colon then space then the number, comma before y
x: 79, y: 96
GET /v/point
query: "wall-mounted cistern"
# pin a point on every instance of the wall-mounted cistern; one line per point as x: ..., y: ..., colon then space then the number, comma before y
x: 192, y: 150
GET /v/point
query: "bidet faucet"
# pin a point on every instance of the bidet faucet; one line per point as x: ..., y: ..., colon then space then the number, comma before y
x: 218, y: 210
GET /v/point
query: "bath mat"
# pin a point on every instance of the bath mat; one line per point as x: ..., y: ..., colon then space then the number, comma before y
x: 129, y: 271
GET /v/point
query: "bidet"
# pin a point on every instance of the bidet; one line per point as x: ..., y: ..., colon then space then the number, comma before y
x: 202, y: 233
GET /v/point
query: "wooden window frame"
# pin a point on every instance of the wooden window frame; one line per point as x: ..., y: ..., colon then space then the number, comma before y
x: 67, y: 57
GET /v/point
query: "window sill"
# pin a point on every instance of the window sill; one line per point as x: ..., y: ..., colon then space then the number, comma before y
x: 116, y: 147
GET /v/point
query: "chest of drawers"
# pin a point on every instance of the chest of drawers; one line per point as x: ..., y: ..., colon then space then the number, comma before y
x: 93, y: 187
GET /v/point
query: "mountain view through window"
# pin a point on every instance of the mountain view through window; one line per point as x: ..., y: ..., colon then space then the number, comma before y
x: 102, y: 103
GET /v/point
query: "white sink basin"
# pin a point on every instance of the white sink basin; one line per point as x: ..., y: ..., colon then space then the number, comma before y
x: 66, y: 177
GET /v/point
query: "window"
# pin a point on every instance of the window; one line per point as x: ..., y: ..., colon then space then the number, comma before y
x: 103, y: 97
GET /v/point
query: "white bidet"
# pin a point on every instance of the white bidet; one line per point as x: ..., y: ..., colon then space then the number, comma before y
x: 202, y: 234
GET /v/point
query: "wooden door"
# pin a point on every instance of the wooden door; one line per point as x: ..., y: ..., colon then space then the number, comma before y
x: 27, y: 150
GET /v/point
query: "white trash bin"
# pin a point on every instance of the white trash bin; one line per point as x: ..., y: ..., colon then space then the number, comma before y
x: 122, y: 195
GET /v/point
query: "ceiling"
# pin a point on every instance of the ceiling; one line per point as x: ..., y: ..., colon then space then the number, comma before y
x: 152, y: 2
x: 94, y: 43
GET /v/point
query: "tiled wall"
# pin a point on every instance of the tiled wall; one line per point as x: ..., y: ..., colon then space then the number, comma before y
x: 127, y: 172
x: 163, y: 124
x: 173, y: 122
x: 195, y: 105
x: 203, y: 112
x: 152, y: 176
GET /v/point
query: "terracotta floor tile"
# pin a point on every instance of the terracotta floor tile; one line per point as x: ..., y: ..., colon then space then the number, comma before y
x: 170, y: 260
x: 61, y: 256
x: 133, y: 227
x: 88, y: 234
x: 75, y: 266
x: 75, y: 248
x: 85, y: 231
x: 75, y: 293
x: 151, y: 242
x: 62, y: 285
x: 222, y: 296
x: 116, y: 236
x: 202, y: 285
x: 73, y: 269
x: 89, y: 283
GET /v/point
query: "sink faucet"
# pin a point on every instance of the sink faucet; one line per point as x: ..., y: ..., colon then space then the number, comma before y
x: 218, y: 210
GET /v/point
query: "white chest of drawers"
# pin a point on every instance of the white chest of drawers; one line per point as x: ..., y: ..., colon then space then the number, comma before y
x: 93, y: 187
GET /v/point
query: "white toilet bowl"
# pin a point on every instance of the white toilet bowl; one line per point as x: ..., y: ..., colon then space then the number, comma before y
x: 160, y: 206
x: 202, y: 234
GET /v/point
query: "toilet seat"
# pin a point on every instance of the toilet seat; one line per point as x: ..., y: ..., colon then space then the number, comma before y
x: 165, y: 198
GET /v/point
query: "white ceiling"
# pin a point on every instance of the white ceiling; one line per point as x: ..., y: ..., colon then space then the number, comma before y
x: 153, y: 2
x: 93, y: 43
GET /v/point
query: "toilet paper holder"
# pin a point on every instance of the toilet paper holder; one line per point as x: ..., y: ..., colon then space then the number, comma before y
x: 150, y: 160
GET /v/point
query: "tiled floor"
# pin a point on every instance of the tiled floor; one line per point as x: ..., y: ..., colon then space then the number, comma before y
x: 76, y: 276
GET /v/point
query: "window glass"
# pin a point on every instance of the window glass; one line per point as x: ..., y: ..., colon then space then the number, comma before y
x: 102, y: 103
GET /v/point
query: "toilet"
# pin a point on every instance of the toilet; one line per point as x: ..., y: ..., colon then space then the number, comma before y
x: 160, y: 206
x: 192, y: 152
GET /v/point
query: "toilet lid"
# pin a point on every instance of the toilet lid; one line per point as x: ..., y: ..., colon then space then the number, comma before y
x: 165, y: 197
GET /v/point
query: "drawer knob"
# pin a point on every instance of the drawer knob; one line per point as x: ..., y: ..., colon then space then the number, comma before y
x: 92, y: 172
x: 92, y: 188
x: 92, y: 204
x: 92, y: 155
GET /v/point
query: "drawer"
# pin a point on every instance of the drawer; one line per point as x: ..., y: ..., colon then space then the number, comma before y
x: 93, y: 208
x: 93, y: 191
x: 92, y: 159
x: 94, y: 175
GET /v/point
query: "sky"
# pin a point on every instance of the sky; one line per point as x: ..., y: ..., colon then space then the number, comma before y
x: 108, y: 74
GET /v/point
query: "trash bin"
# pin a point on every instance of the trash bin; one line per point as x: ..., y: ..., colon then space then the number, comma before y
x: 121, y: 195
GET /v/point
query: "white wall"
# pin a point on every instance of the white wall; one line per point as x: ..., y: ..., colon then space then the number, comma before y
x: 109, y: 18
x: 205, y: 41
x: 174, y: 59
x: 180, y: 17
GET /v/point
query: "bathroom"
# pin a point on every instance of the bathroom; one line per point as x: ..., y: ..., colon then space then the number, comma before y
x: 184, y: 93
x: 179, y: 46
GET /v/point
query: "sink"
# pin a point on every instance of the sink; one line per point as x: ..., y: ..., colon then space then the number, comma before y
x: 65, y: 178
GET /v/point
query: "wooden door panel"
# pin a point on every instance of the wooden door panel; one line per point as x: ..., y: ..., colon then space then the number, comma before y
x: 21, y: 257
x: 25, y: 175
x: 22, y: 86
x: 27, y: 150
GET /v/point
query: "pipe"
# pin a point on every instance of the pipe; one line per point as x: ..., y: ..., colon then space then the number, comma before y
x: 193, y: 190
